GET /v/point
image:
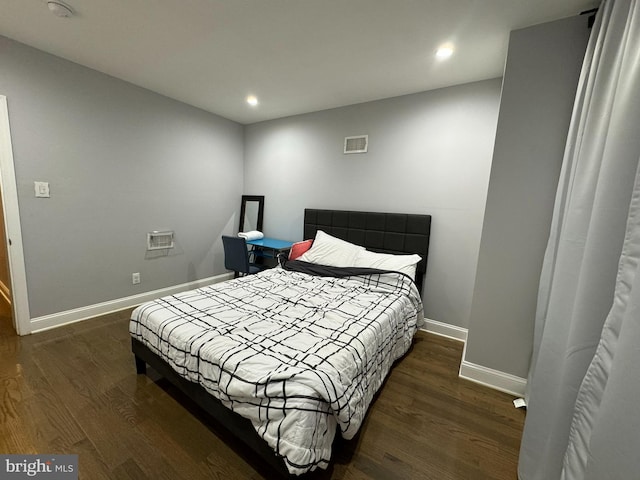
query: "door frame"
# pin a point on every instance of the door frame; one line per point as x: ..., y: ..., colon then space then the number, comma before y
x: 13, y: 229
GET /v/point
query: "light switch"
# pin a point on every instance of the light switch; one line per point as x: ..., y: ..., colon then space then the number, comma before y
x: 42, y: 189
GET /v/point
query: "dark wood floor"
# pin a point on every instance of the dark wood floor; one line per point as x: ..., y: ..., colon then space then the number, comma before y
x: 74, y: 390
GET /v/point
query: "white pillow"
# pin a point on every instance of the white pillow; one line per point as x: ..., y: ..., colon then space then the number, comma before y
x: 328, y: 250
x: 385, y: 261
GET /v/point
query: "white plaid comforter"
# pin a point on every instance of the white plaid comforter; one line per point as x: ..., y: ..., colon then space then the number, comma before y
x: 296, y: 354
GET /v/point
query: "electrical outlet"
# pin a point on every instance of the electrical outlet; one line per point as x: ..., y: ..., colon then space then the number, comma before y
x: 135, y: 278
x: 42, y: 189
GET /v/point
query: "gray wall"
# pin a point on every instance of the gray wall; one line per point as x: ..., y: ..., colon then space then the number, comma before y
x: 121, y: 161
x: 541, y: 76
x: 428, y: 153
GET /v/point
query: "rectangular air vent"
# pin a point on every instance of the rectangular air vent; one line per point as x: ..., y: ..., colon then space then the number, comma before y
x: 357, y: 144
x: 159, y: 240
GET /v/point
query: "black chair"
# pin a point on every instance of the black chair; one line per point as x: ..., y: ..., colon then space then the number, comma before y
x: 236, y: 256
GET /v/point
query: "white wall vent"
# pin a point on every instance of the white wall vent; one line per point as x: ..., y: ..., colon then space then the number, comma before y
x: 159, y: 240
x: 357, y: 144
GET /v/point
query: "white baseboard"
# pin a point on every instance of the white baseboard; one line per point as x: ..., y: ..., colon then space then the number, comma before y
x: 46, y: 322
x: 488, y: 377
x: 476, y: 373
x: 495, y: 379
x: 446, y: 330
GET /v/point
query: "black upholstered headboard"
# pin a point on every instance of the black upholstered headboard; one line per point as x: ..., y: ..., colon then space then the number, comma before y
x: 396, y: 233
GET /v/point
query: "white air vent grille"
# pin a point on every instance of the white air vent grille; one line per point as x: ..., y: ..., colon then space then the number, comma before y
x: 159, y: 240
x: 357, y: 144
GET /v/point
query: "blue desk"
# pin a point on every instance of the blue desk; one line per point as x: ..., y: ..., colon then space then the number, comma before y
x: 269, y: 247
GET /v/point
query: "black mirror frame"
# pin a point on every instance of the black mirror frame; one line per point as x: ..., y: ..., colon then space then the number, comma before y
x: 252, y: 198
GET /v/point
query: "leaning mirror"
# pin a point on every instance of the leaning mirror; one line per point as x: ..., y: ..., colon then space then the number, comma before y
x: 251, y: 213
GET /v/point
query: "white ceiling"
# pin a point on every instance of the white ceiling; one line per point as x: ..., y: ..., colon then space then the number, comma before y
x: 296, y: 56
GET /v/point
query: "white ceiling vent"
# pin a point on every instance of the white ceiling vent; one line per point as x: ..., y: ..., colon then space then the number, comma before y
x: 357, y: 144
x: 159, y: 240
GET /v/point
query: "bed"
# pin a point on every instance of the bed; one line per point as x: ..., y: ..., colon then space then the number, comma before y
x: 286, y: 358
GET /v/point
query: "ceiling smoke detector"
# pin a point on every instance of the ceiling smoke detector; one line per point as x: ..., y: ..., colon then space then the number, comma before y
x: 59, y: 9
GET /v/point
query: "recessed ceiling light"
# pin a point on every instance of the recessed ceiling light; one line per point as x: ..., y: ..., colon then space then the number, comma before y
x: 444, y: 51
x: 59, y: 9
x: 252, y: 100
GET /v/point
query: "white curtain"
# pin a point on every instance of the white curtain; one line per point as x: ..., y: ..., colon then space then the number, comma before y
x: 582, y: 419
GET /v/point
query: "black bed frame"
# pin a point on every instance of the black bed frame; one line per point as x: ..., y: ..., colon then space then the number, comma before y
x: 236, y: 425
x: 380, y: 232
